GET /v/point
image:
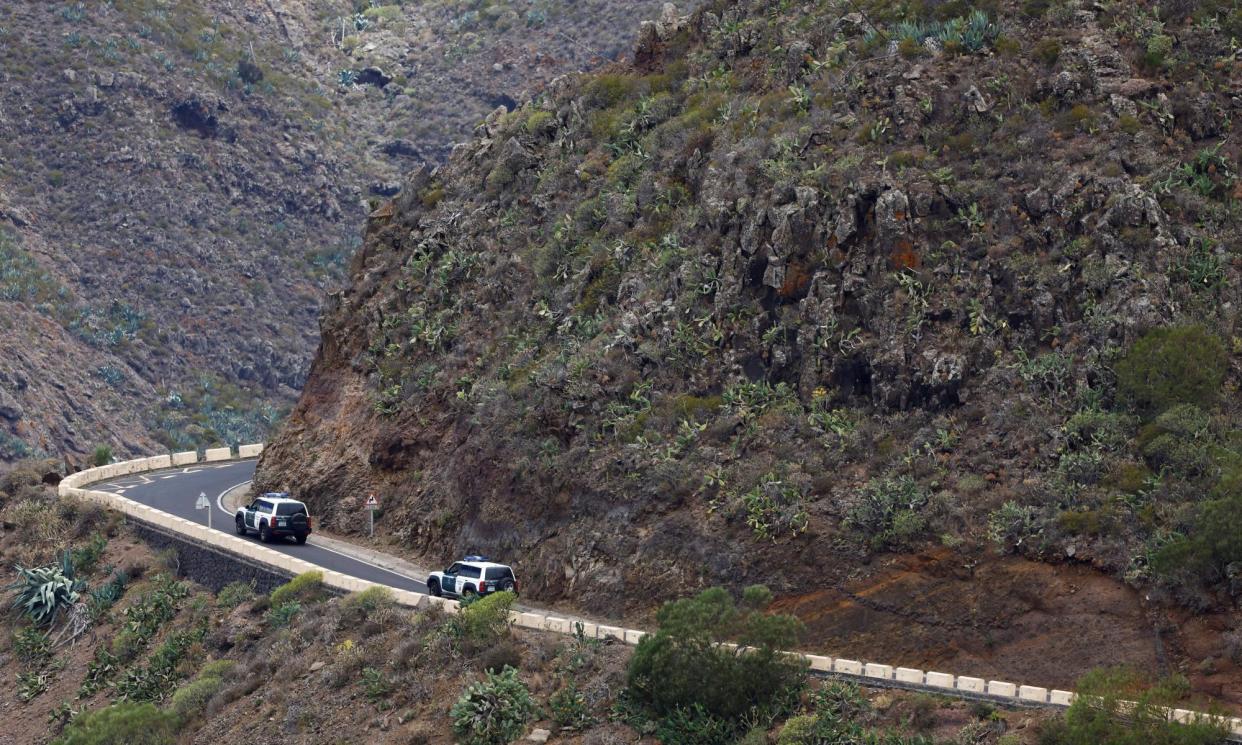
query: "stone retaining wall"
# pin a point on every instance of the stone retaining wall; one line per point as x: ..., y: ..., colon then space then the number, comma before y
x: 208, y: 566
x: 215, y: 546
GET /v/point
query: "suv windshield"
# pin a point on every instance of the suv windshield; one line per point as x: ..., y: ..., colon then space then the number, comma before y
x: 289, y: 508
x: 495, y: 573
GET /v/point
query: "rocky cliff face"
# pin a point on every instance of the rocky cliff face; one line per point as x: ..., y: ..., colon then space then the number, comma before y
x: 181, y: 182
x: 857, y: 305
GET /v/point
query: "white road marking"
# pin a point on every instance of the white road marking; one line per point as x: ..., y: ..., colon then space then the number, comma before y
x: 191, y: 470
x: 220, y: 498
x: 145, y: 480
x: 169, y: 476
x: 226, y: 465
x: 220, y: 504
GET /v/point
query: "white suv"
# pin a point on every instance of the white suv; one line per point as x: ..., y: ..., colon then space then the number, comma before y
x: 274, y: 515
x: 472, y: 577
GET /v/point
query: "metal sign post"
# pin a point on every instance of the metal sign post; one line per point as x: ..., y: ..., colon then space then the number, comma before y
x: 204, y: 503
x: 372, y: 505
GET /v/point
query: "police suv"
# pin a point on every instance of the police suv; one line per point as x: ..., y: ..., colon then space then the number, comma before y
x: 274, y: 516
x: 472, y: 577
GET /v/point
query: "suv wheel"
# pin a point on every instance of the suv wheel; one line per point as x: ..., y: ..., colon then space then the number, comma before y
x: 469, y: 595
x: 433, y: 587
x: 265, y: 534
x: 241, y: 525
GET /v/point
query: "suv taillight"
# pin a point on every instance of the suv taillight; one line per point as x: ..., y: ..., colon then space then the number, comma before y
x: 309, y: 525
x: 482, y: 587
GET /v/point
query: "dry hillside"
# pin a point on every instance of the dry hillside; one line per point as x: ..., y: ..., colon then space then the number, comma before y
x: 924, y: 314
x: 181, y: 181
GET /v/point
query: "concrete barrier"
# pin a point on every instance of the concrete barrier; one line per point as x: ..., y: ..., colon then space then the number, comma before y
x: 217, y: 454
x: 527, y: 620
x: 558, y: 625
x: 187, y: 458
x: 940, y: 680
x: 160, y: 461
x: 1033, y: 693
x: 250, y: 451
x: 876, y: 670
x: 633, y: 636
x: 847, y: 667
x: 908, y: 675
x: 819, y: 663
x: 1001, y: 688
x: 1060, y: 698
x: 971, y: 685
x: 612, y: 632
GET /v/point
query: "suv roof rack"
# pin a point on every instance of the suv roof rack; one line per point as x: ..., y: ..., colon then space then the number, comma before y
x: 276, y: 494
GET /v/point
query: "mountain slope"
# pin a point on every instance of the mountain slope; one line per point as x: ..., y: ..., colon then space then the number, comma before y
x: 925, y: 316
x: 180, y: 182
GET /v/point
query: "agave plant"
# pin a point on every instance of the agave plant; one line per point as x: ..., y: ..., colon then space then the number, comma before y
x: 42, y: 593
x: 979, y: 32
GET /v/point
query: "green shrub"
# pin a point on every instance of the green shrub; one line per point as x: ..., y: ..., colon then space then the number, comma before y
x: 376, y: 685
x: 682, y: 670
x: 1159, y: 47
x: 890, y: 512
x: 1100, y: 717
x: 307, y: 587
x: 122, y: 724
x: 102, y: 456
x: 281, y: 615
x: 1178, y: 440
x: 1011, y: 525
x: 369, y: 601
x: 694, y: 726
x: 1213, y: 542
x: 235, y: 593
x: 86, y: 557
x: 32, y: 646
x: 540, y: 122
x: 191, y: 699
x: 1174, y: 365
x: 484, y: 621
x: 493, y: 711
x: 568, y: 707
x: 800, y: 730
x: 153, y: 681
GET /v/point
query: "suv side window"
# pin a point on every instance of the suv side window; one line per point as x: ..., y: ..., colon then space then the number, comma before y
x: 263, y: 506
x: 495, y: 573
x: 471, y: 572
x: 289, y: 508
x: 453, y: 569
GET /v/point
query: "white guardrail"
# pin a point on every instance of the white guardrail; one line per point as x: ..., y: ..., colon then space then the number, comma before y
x: 865, y: 673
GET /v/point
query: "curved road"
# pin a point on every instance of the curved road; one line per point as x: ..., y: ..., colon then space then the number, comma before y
x: 176, y: 491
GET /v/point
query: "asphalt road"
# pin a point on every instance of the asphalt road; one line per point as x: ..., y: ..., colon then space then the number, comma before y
x: 176, y: 491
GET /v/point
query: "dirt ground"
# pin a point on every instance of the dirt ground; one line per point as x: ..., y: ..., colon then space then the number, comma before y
x: 1013, y: 619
